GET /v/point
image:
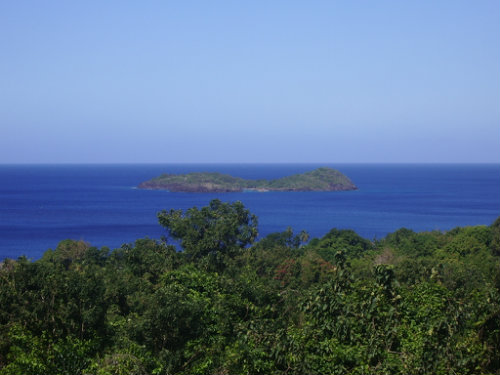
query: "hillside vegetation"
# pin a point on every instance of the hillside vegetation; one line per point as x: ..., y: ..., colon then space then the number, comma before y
x: 411, y: 303
x: 321, y: 179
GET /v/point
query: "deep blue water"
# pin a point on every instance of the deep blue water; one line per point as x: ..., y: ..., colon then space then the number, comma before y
x: 43, y: 204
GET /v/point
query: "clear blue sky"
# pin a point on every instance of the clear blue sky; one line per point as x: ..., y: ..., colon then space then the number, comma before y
x: 249, y: 81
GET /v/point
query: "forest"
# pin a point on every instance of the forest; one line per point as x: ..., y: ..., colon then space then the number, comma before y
x: 212, y: 298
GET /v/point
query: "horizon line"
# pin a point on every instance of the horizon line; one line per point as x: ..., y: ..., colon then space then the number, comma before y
x: 250, y: 163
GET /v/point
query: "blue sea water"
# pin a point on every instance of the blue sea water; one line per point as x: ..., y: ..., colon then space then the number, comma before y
x: 41, y: 205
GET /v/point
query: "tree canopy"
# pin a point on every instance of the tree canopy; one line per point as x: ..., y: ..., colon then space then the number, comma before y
x: 410, y: 303
x: 218, y: 230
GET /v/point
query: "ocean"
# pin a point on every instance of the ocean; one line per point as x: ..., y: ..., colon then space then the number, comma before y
x: 41, y: 205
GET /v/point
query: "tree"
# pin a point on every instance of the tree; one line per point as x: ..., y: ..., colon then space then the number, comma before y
x: 495, y: 233
x: 216, y: 231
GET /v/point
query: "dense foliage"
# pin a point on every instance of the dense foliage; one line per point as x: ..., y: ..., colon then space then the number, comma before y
x: 411, y: 303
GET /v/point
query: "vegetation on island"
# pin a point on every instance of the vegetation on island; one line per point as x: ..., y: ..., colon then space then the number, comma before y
x: 321, y: 179
x: 410, y: 303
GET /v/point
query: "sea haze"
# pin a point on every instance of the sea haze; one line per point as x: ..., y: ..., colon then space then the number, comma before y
x: 41, y: 205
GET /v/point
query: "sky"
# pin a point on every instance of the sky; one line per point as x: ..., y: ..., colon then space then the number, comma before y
x: 250, y: 81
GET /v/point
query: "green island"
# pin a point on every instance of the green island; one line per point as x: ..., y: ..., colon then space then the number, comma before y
x: 222, y: 301
x: 321, y: 179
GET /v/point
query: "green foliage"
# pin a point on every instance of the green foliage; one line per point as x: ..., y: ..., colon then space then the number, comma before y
x: 416, y: 303
x: 283, y: 239
x: 495, y: 237
x: 413, y: 244
x: 212, y: 233
x: 119, y: 364
x: 436, y: 335
x: 147, y: 258
x: 344, y: 240
x: 38, y: 355
x: 469, y: 240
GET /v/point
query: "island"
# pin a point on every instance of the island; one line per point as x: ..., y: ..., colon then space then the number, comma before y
x: 321, y: 179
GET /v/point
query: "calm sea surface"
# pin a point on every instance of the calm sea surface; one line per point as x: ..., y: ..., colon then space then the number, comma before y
x: 43, y: 204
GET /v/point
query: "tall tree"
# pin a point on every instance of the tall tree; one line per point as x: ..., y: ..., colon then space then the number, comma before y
x: 217, y: 231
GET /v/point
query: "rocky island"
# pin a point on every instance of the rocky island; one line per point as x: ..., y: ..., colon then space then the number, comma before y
x: 321, y: 179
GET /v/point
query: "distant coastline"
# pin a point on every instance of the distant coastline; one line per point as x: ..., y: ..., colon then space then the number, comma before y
x: 320, y: 179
